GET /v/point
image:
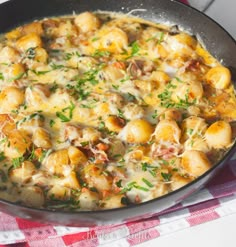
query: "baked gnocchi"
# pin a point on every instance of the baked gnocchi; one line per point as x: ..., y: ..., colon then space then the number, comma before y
x: 100, y: 111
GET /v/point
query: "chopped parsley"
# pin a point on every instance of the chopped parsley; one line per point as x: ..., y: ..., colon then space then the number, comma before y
x: 167, y: 102
x: 166, y: 176
x: 38, y: 72
x: 95, y: 39
x: 3, y: 140
x: 16, y: 162
x: 178, y: 79
x: 68, y: 56
x: 35, y: 115
x: 99, y: 53
x: 15, y: 111
x: 158, y: 36
x: 54, y: 87
x: 126, y: 78
x: 84, y: 144
x: 141, y: 188
x: 148, y: 183
x: 70, y: 204
x: 120, y: 113
x: 148, y: 167
x: 3, y: 176
x: 30, y: 53
x: 116, y: 87
x: 175, y: 169
x: 44, y: 154
x: 63, y: 117
x: 56, y: 66
x: 185, y: 103
x: 1, y: 77
x: 90, y: 76
x: 118, y: 184
x: 190, y: 131
x: 124, y: 200
x: 164, y: 162
x: 161, y: 38
x: 166, y: 94
x: 32, y: 155
x: 52, y: 122
x: 132, y: 185
x: 83, y: 83
x: 135, y: 48
x: 101, y: 125
x: 81, y: 93
x: 155, y: 114
x: 69, y: 111
x: 17, y: 77
x: 89, y: 105
x: 2, y: 156
x: 130, y: 97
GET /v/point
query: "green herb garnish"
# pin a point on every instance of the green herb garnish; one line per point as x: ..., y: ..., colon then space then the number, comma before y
x: 134, y: 48
x: 166, y: 176
x: 148, y: 183
x: 99, y: 53
x: 167, y: 102
x: 3, y: 176
x: 30, y: 53
x: 2, y: 156
x: 132, y: 185
x: 118, y: 184
x: 69, y: 111
x: 1, y: 77
x: 158, y: 36
x: 51, y: 123
x: 16, y: 162
x: 68, y: 56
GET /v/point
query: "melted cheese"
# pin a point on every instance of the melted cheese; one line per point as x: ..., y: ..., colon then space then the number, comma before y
x: 67, y: 82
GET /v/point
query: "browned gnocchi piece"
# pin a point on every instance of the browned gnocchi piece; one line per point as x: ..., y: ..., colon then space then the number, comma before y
x: 219, y: 77
x: 219, y: 135
x: 23, y: 173
x: 18, y: 142
x: 195, y: 163
x: 55, y: 161
x: 167, y: 130
x: 41, y: 138
x: 114, y: 123
x: 11, y: 98
x: 114, y: 201
x: 88, y: 200
x: 6, y: 124
x: 28, y: 41
x: 87, y: 22
x: 137, y: 131
x: 32, y: 196
x: 112, y: 40
x: 9, y: 55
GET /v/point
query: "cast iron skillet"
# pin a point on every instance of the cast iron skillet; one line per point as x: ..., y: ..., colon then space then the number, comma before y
x: 215, y: 39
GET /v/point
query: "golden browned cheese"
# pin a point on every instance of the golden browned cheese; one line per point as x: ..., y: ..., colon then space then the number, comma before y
x: 99, y: 111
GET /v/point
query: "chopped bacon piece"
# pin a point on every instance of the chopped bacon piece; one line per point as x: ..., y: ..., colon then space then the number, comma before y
x: 119, y: 65
x: 102, y: 146
x: 165, y: 152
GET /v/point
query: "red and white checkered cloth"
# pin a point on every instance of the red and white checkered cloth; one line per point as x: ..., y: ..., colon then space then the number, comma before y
x: 216, y: 200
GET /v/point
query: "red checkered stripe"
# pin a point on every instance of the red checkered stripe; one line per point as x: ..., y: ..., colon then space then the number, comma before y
x: 184, y: 1
x: 132, y: 234
x: 209, y: 204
